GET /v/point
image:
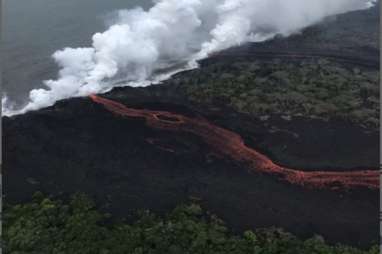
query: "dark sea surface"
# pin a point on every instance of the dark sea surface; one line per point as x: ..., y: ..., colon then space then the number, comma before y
x: 35, y: 29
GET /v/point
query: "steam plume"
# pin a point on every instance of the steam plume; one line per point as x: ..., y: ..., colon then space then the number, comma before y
x: 173, y: 33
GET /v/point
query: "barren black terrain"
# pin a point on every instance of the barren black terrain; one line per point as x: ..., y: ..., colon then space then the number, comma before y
x: 78, y: 145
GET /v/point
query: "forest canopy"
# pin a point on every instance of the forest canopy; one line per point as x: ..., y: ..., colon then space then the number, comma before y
x: 51, y: 226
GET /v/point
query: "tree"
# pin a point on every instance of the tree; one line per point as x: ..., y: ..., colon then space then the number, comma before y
x: 47, y: 226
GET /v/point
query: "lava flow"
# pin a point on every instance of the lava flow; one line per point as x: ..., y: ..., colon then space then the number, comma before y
x: 232, y: 145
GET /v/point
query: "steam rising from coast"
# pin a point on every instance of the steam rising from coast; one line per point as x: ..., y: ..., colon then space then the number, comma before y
x: 172, y: 35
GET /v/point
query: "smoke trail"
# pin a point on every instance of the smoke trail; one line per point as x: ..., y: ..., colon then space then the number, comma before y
x: 173, y: 33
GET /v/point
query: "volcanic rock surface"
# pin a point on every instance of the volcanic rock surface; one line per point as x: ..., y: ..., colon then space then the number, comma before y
x: 126, y: 162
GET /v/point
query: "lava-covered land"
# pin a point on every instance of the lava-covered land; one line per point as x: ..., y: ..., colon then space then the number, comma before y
x: 228, y: 143
x: 126, y: 164
x: 151, y: 148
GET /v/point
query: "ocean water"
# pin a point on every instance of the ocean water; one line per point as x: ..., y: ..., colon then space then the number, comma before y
x: 34, y: 29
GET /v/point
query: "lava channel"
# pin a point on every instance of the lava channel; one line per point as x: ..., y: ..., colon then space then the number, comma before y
x: 232, y: 145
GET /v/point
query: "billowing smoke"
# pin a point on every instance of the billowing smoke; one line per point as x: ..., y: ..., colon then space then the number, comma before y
x: 173, y: 35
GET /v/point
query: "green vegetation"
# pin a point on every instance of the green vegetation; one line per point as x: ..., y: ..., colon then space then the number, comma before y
x: 314, y: 88
x: 47, y: 226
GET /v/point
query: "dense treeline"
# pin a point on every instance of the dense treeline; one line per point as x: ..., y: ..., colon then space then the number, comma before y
x: 46, y: 226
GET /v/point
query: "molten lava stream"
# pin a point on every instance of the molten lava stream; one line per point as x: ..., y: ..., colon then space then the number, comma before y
x: 232, y: 145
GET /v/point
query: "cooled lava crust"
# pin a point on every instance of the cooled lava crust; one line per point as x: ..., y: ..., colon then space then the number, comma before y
x: 228, y: 143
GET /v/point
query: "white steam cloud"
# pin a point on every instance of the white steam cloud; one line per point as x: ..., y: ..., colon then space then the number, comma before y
x: 140, y: 44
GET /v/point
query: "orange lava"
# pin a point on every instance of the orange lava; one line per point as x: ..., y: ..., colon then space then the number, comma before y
x: 232, y: 145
